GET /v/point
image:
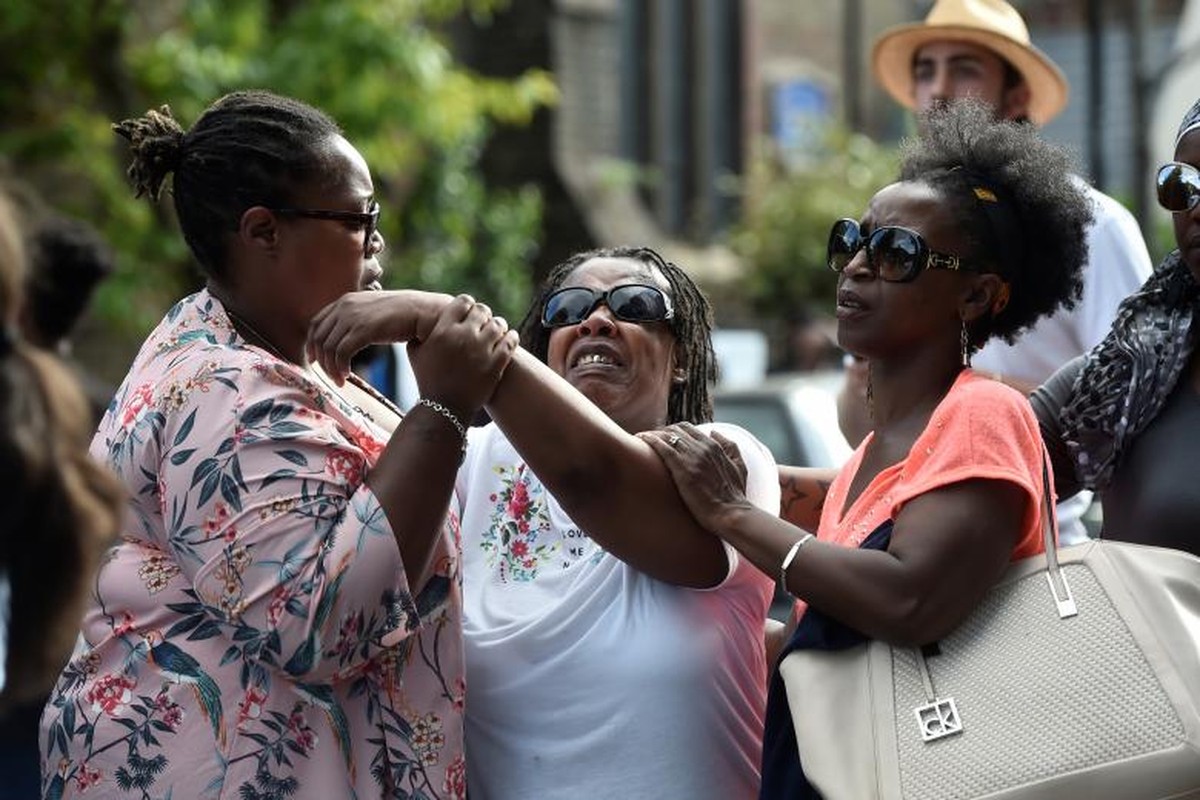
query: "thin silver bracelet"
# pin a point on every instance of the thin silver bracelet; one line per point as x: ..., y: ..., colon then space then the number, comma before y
x: 790, y: 557
x: 448, y: 414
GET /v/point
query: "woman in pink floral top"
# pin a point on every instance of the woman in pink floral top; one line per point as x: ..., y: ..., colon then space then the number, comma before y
x: 282, y: 613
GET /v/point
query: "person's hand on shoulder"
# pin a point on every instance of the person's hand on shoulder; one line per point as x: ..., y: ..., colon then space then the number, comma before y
x: 707, y: 469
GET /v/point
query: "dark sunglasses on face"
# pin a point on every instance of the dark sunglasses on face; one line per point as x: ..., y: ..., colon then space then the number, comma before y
x: 894, y: 254
x: 630, y: 302
x: 1178, y: 186
x: 368, y: 220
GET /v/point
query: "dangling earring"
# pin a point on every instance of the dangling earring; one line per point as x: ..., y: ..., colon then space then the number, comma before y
x: 964, y: 341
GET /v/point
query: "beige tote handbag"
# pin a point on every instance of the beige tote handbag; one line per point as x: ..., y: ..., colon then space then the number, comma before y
x: 1076, y: 678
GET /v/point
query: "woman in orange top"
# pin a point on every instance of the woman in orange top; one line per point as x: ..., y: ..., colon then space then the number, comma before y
x: 983, y: 234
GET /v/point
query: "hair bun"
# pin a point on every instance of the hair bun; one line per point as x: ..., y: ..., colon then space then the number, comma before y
x: 156, y: 140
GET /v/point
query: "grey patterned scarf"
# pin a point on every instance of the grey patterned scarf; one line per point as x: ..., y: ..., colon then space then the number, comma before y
x: 1128, y: 376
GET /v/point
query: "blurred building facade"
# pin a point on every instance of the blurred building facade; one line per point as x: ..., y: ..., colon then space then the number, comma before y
x: 664, y: 103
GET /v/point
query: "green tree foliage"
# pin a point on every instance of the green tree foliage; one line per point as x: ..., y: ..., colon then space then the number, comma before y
x: 788, y: 212
x: 378, y: 66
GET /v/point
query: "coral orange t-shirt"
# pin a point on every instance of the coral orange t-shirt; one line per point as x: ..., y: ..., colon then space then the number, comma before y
x: 981, y: 429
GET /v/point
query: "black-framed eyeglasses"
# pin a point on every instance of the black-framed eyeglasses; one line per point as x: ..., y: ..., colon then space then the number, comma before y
x: 1178, y: 186
x: 369, y: 219
x: 895, y: 254
x: 631, y: 302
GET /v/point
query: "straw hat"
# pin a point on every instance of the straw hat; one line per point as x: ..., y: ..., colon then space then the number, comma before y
x: 993, y: 24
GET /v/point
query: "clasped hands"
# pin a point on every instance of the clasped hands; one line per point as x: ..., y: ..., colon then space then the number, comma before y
x: 457, y: 347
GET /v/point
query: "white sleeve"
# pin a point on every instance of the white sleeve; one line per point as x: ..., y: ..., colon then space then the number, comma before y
x: 762, y: 488
x: 762, y: 474
x: 1118, y: 264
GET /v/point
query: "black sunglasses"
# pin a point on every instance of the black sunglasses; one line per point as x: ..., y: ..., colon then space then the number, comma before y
x: 895, y: 254
x: 631, y: 302
x: 1178, y: 186
x: 369, y: 219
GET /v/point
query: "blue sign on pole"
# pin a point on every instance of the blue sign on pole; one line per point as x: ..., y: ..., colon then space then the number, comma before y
x: 801, y: 108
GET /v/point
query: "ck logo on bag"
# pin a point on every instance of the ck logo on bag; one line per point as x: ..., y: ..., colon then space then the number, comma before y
x: 938, y: 719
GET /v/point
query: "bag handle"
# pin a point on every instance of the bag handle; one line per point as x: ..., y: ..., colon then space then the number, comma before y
x: 1064, y: 601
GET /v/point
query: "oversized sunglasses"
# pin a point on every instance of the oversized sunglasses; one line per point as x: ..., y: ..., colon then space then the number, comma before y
x: 368, y: 220
x: 631, y: 302
x: 895, y: 254
x: 1178, y: 186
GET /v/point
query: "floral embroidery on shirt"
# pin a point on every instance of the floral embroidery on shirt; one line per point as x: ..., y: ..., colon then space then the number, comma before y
x: 519, y: 521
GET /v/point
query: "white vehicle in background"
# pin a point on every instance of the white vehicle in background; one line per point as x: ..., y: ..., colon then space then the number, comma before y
x: 741, y: 356
x: 793, y: 414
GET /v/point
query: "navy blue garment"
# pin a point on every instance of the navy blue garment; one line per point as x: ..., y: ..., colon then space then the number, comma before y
x: 782, y: 773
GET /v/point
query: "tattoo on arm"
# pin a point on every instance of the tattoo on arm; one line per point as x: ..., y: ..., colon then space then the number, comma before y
x: 801, y: 500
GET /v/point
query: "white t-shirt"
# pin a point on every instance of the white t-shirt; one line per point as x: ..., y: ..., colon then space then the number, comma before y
x: 1118, y: 264
x: 587, y: 678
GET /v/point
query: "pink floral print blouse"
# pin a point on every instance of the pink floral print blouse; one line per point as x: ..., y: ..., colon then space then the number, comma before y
x: 252, y: 634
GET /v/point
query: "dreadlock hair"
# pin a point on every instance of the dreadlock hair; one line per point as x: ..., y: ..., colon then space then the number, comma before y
x: 1014, y: 197
x: 248, y: 148
x: 66, y: 508
x: 691, y: 325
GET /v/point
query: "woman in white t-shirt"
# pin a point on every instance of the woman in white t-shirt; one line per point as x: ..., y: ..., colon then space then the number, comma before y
x: 613, y: 646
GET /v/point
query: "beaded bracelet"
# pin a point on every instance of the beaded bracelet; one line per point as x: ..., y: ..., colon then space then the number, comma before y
x: 448, y: 414
x: 791, y: 555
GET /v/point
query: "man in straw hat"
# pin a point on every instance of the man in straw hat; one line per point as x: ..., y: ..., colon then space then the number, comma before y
x: 981, y: 49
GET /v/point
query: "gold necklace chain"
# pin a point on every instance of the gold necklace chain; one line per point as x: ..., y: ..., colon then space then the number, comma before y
x: 266, y: 343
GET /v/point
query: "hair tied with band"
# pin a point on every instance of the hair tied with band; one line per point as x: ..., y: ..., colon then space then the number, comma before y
x: 986, y: 195
x: 156, y: 140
